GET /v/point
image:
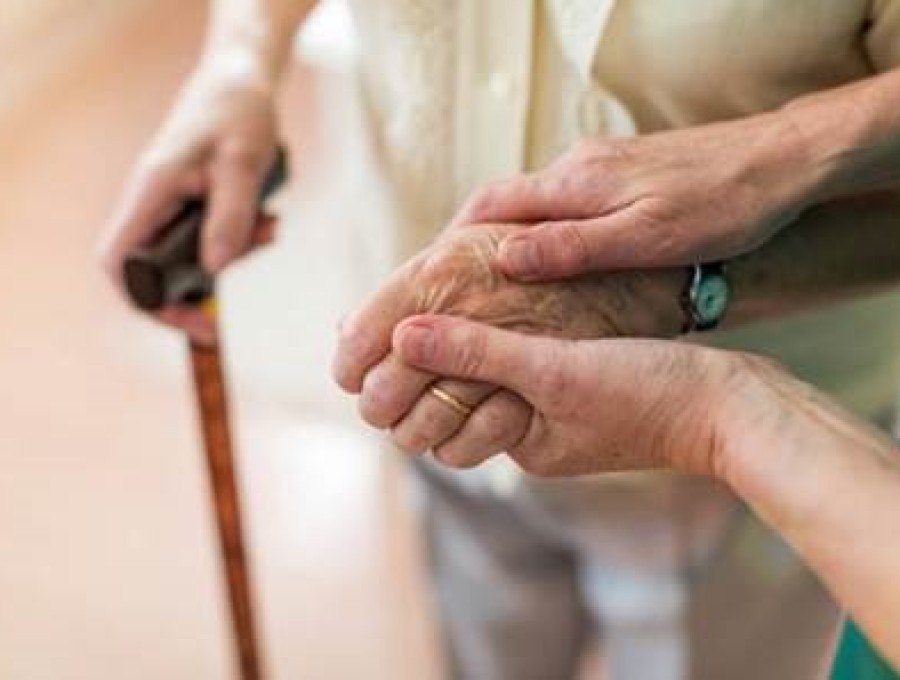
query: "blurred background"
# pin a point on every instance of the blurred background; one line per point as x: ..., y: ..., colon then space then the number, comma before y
x: 108, y: 556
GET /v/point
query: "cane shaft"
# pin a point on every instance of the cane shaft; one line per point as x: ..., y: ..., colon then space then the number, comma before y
x: 212, y: 401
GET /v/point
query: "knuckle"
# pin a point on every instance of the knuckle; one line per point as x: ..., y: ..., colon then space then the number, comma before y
x: 495, y: 426
x: 435, y: 423
x: 155, y: 166
x: 241, y: 155
x: 572, y: 246
x: 151, y: 162
x: 581, y: 152
x: 455, y: 456
x: 454, y: 271
x: 483, y: 200
x: 409, y: 441
x: 350, y: 359
x: 379, y: 404
x: 659, y: 234
x: 537, y: 465
x: 471, y: 355
x: 591, y: 151
x: 231, y: 225
x: 353, y: 342
x: 553, y: 382
x: 372, y: 411
x: 341, y: 375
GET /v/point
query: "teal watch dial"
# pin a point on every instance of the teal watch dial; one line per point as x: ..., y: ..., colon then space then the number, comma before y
x: 707, y: 297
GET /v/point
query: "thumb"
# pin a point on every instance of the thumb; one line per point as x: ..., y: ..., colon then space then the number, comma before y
x: 558, y: 250
x: 457, y: 348
x: 621, y: 240
x: 521, y: 199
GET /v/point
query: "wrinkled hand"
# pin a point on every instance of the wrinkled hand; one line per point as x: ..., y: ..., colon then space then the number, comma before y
x: 456, y: 276
x: 594, y: 406
x: 668, y: 199
x: 217, y: 142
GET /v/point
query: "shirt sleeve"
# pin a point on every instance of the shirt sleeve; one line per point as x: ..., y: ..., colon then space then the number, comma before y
x: 883, y: 36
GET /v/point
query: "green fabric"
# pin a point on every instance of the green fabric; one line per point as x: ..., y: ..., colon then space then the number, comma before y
x: 856, y: 660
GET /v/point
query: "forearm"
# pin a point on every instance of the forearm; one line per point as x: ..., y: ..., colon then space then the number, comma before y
x: 836, y: 251
x: 255, y: 34
x: 851, y: 137
x: 831, y: 487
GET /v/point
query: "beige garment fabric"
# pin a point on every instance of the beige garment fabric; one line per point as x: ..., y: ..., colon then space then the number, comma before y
x: 465, y: 91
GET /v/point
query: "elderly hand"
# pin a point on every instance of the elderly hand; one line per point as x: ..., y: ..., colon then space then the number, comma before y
x: 218, y: 141
x: 668, y: 199
x: 595, y: 406
x: 455, y: 276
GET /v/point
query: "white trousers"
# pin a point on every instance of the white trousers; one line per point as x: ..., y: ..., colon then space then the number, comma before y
x: 671, y: 581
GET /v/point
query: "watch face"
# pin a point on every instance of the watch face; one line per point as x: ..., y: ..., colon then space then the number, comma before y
x: 712, y: 300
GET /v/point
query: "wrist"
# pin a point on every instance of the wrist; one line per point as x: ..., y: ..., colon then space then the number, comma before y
x: 237, y: 66
x: 742, y: 413
x: 849, y: 134
x: 813, y: 133
x: 255, y: 45
x: 654, y: 301
x: 785, y: 163
x: 775, y: 434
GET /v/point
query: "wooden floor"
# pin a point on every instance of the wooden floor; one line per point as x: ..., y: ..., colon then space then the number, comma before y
x: 108, y: 567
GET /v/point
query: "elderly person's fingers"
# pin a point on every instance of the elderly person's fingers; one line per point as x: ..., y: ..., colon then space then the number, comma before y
x: 393, y: 389
x: 441, y: 411
x: 236, y: 174
x: 364, y: 338
x: 197, y: 321
x: 496, y: 426
x: 390, y: 390
x: 153, y: 195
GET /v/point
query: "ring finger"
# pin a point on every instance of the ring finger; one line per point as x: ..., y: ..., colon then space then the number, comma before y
x: 496, y: 426
x: 439, y: 414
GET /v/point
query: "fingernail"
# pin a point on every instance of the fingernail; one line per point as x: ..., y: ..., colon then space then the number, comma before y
x: 521, y: 256
x: 420, y: 344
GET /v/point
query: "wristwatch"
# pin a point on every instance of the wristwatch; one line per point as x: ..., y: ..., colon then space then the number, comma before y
x: 706, y: 297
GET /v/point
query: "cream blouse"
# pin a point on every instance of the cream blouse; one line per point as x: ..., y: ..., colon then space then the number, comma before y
x: 461, y: 92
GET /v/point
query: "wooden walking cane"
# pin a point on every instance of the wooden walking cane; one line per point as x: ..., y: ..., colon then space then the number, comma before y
x: 168, y: 272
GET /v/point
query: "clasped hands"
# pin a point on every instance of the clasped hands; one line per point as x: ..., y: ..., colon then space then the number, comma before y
x: 525, y: 358
x: 511, y: 316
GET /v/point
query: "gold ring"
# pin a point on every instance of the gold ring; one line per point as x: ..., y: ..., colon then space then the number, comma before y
x: 457, y: 405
